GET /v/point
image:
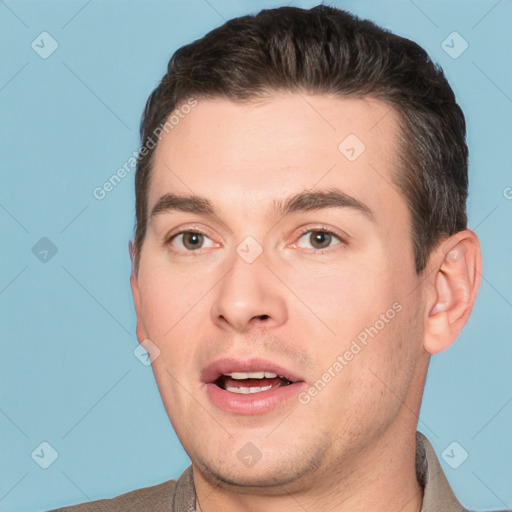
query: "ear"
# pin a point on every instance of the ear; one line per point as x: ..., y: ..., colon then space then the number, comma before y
x: 137, y: 300
x: 456, y: 274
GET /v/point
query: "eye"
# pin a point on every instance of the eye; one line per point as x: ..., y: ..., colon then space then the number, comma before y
x: 318, y: 238
x: 191, y: 240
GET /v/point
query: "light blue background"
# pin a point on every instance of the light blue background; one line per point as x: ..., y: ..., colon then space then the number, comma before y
x: 68, y: 372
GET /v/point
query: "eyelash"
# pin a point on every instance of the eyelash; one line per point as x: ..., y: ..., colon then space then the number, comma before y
x: 184, y: 232
x: 317, y: 229
x: 322, y: 229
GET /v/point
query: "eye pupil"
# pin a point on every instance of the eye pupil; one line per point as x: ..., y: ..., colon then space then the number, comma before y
x: 192, y: 240
x: 321, y: 238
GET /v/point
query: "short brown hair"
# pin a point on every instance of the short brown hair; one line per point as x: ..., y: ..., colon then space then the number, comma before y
x: 326, y: 50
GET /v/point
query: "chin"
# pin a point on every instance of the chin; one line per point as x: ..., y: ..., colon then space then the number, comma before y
x: 247, y: 478
x: 280, y: 472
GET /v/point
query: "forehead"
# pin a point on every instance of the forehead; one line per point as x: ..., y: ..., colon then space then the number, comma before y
x: 244, y: 154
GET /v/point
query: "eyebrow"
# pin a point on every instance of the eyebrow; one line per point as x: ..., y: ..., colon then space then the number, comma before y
x: 301, y: 202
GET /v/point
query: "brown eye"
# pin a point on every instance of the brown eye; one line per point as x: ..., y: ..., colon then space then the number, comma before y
x: 320, y: 239
x: 192, y: 240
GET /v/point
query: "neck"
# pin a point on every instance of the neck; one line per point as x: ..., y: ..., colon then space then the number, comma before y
x: 381, y: 477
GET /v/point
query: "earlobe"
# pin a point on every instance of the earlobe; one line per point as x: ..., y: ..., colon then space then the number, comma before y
x: 456, y: 280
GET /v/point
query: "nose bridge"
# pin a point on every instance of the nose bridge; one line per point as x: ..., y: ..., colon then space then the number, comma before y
x: 249, y: 294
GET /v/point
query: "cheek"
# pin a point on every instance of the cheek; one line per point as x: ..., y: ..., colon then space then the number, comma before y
x: 168, y: 298
x: 390, y: 358
x: 374, y: 327
x: 347, y: 297
x: 171, y: 307
x: 370, y: 390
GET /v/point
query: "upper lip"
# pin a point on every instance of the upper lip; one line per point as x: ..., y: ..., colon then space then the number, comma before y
x: 215, y: 369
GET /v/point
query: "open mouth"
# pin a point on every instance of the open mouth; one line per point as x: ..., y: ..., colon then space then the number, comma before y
x: 250, y: 386
x: 251, y: 382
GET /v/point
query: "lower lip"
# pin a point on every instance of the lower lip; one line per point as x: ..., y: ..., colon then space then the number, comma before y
x: 253, y: 403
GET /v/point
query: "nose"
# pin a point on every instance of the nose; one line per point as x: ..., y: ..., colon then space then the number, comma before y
x: 249, y: 295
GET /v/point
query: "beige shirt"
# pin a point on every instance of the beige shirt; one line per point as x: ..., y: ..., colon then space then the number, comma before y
x: 180, y: 496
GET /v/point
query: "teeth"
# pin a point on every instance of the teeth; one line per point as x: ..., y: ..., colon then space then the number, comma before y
x: 246, y: 391
x: 251, y: 375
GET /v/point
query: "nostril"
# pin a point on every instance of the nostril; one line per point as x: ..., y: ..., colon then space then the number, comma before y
x: 264, y: 317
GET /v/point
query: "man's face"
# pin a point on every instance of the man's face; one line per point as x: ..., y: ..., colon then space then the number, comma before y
x: 260, y: 282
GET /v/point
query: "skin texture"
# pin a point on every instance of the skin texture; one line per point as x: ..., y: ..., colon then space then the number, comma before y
x: 351, y: 447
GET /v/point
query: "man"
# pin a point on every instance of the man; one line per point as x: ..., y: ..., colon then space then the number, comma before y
x: 301, y: 250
